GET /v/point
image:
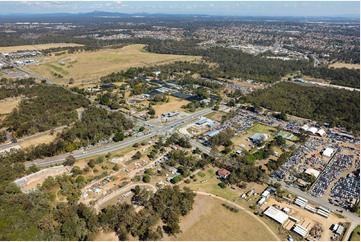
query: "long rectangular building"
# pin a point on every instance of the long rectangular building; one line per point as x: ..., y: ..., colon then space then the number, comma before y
x: 300, y: 230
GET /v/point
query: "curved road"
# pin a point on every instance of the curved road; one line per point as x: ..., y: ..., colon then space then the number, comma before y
x: 243, y: 209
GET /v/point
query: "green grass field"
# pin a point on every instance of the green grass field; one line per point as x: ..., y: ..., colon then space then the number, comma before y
x: 355, y: 235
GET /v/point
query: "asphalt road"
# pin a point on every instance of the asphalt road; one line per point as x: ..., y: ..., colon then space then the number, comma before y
x: 79, y: 154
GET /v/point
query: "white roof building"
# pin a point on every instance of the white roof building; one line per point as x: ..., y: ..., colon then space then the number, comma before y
x: 300, y: 230
x: 327, y: 152
x: 312, y: 130
x: 261, y: 201
x: 305, y: 127
x: 276, y: 214
x: 265, y: 194
x: 312, y: 172
x: 321, y: 132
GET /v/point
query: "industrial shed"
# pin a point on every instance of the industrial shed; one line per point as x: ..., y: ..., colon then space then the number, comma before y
x: 276, y: 214
x: 300, y: 230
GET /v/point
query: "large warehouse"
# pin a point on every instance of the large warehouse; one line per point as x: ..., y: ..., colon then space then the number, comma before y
x: 276, y: 214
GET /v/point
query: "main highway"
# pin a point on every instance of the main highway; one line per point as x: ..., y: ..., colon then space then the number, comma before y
x: 101, y: 150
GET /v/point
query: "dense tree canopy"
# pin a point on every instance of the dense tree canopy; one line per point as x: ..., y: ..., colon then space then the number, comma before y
x: 331, y: 105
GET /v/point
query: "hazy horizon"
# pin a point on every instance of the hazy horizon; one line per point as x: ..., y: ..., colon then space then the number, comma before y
x: 234, y: 8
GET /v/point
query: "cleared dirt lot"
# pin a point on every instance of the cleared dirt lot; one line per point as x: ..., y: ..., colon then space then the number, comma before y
x: 345, y: 65
x: 35, y: 47
x: 92, y: 65
x: 44, y: 139
x: 209, y: 220
x: 7, y: 105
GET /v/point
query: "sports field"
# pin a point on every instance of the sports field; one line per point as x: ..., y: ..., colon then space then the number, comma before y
x: 92, y: 65
x: 35, y: 47
x: 209, y: 220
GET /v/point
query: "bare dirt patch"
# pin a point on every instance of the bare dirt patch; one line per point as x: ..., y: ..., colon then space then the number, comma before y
x: 106, y: 236
x: 344, y: 65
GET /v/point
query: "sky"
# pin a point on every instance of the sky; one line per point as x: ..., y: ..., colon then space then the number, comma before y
x: 241, y: 8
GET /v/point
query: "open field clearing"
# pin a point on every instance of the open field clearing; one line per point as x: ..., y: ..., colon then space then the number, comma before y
x: 216, y: 115
x: 344, y: 65
x: 92, y: 65
x: 106, y: 236
x: 36, y: 47
x: 44, y: 139
x: 173, y: 105
x: 7, y: 105
x: 209, y: 220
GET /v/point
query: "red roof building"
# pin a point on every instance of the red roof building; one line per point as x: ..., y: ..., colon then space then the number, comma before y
x: 223, y: 173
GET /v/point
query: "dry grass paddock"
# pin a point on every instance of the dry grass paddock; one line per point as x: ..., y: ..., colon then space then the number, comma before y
x: 36, y: 47
x: 173, y: 105
x: 209, y: 220
x: 92, y: 65
x: 44, y: 139
x: 7, y: 105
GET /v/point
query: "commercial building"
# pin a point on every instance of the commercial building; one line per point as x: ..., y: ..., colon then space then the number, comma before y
x: 212, y: 133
